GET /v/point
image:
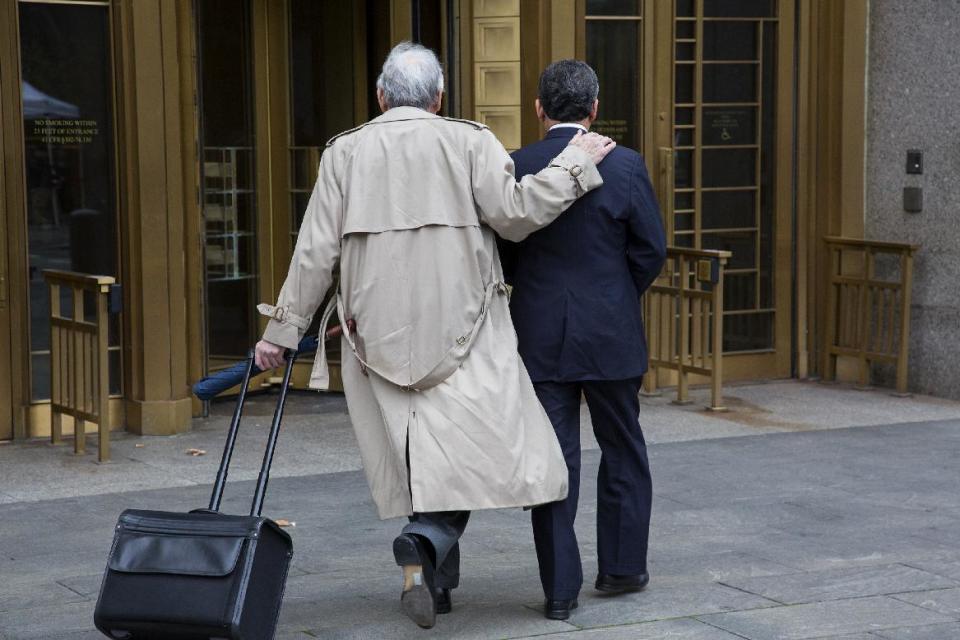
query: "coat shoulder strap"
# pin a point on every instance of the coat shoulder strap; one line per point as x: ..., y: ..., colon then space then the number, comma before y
x: 479, y: 126
x: 343, y: 133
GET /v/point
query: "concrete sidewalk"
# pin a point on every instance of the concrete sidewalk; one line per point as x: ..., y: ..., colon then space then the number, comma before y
x: 790, y: 533
x: 317, y: 437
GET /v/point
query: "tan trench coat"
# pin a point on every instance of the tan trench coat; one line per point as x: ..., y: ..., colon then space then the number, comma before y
x: 408, y: 204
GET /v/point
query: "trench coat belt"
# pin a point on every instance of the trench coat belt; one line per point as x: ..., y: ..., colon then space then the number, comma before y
x: 320, y: 374
x: 447, y: 365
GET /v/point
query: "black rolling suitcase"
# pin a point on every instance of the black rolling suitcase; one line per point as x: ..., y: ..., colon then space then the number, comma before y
x: 203, y: 574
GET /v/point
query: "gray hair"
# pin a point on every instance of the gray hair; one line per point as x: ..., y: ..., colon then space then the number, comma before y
x: 411, y: 77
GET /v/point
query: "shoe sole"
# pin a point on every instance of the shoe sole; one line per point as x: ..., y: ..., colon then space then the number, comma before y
x: 606, y: 589
x: 561, y: 616
x: 416, y: 599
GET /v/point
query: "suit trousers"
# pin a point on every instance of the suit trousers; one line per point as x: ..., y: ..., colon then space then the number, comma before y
x: 624, y: 489
x: 443, y: 530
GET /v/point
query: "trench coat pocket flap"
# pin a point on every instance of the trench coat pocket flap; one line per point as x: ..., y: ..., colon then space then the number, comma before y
x: 145, y: 552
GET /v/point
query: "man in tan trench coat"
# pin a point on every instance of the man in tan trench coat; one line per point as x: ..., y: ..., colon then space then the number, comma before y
x: 444, y: 412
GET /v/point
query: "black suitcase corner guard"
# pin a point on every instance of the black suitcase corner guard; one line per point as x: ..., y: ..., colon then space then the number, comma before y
x: 201, y: 575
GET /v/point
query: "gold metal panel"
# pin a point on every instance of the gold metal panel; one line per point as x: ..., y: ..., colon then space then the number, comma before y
x: 488, y: 8
x: 39, y: 419
x: 496, y: 39
x: 504, y: 122
x: 497, y: 83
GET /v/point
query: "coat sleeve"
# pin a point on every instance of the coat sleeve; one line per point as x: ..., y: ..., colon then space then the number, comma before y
x: 646, y: 242
x: 516, y: 209
x: 311, y: 268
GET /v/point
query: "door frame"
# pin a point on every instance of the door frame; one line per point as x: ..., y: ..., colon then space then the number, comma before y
x: 6, y: 401
x: 14, y: 385
x: 658, y: 68
x: 29, y: 418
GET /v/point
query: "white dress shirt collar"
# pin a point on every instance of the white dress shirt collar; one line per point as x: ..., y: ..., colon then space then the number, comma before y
x: 575, y: 125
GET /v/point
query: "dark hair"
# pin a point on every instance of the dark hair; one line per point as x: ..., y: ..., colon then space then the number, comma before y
x: 567, y: 90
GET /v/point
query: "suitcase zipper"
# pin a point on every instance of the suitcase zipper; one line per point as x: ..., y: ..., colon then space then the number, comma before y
x: 191, y: 528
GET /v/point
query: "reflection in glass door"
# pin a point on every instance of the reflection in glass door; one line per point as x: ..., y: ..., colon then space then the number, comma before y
x: 67, y: 100
x: 324, y: 99
x: 725, y: 56
x: 615, y: 49
x: 228, y: 177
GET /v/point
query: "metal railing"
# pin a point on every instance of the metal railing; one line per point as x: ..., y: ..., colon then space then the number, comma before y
x: 868, y: 306
x: 79, y: 344
x: 683, y: 311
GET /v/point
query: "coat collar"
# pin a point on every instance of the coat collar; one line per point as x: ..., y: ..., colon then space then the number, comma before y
x: 404, y: 113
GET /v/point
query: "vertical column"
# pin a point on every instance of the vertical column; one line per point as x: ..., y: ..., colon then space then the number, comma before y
x: 154, y: 203
x: 496, y: 68
x: 14, y: 371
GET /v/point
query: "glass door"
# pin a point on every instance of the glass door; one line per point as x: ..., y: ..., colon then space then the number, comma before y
x: 730, y: 130
x: 67, y: 98
x: 228, y: 181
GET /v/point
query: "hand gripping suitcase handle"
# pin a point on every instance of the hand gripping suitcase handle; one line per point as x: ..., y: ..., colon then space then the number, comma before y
x: 261, y: 490
x: 216, y: 383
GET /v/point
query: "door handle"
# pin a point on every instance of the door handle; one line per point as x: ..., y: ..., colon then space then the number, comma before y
x: 3, y: 287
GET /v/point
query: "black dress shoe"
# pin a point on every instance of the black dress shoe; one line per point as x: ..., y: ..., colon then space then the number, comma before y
x: 444, y: 603
x: 621, y: 584
x: 418, y: 598
x: 559, y: 609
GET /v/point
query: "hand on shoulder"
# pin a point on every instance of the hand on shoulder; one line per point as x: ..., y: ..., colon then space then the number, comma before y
x: 596, y: 145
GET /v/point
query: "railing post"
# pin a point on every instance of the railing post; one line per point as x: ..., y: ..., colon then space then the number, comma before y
x: 103, y: 375
x: 651, y: 304
x: 863, y: 325
x: 79, y: 393
x: 716, y: 368
x: 829, y: 333
x: 906, y: 266
x: 683, y: 382
x: 56, y: 368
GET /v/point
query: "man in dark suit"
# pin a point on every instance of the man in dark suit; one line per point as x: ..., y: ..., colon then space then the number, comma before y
x: 576, y: 308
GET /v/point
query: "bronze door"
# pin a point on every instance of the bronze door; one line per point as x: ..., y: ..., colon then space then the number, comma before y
x: 61, y: 133
x: 704, y: 89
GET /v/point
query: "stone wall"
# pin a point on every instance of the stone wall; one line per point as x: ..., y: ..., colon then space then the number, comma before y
x: 914, y: 103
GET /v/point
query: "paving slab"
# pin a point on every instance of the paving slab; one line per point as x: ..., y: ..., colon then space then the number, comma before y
x: 949, y: 631
x: 945, y: 601
x: 947, y: 566
x: 839, y: 584
x: 824, y: 619
x: 658, y: 603
x: 679, y: 629
x: 490, y: 621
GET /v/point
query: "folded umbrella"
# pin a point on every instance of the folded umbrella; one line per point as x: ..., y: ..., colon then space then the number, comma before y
x: 218, y: 382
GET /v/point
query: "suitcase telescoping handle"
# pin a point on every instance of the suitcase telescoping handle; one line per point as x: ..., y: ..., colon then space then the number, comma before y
x: 217, y: 495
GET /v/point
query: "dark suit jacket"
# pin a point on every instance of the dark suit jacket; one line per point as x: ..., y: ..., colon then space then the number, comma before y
x: 577, y: 283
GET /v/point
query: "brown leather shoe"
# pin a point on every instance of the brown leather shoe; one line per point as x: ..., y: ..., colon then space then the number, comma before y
x: 418, y: 598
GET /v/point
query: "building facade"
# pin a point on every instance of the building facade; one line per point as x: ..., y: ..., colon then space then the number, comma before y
x: 173, y: 144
